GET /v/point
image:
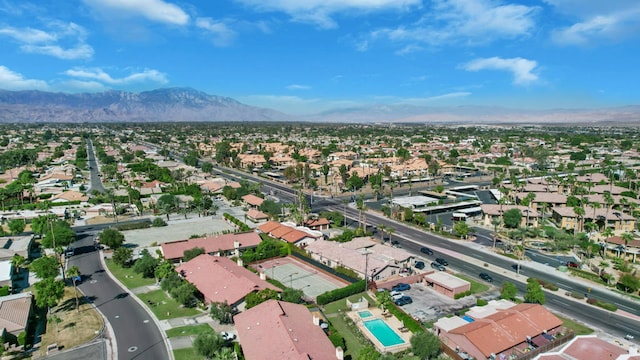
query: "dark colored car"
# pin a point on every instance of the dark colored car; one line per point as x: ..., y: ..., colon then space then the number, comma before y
x: 442, y: 261
x: 404, y: 300
x: 69, y: 252
x: 426, y: 250
x: 438, y: 266
x: 419, y: 265
x: 486, y: 277
x: 572, y: 264
x: 401, y: 287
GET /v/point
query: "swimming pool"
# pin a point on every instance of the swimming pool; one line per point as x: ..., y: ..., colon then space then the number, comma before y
x: 383, y: 332
x: 365, y: 314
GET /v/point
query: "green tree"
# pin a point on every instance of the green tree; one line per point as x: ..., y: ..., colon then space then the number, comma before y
x: 192, y: 253
x: 16, y: 226
x: 168, y: 203
x: 368, y: 353
x: 425, y: 345
x: 73, y: 273
x: 509, y: 291
x: 461, y: 229
x: 534, y: 293
x: 512, y: 218
x: 222, y: 312
x: 630, y: 283
x: 46, y: 267
x: 292, y: 295
x: 61, y: 236
x: 122, y: 256
x: 111, y: 238
x: 17, y: 261
x: 185, y: 293
x: 208, y: 343
x: 259, y: 297
x: 164, y: 269
x: 48, y: 293
x: 146, y: 264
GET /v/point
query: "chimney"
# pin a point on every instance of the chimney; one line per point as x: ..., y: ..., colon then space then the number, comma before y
x: 240, y: 263
x: 339, y: 353
x: 236, y: 246
x: 316, y: 320
x: 263, y: 276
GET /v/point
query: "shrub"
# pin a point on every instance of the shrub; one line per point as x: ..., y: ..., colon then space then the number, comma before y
x: 592, y: 301
x: 133, y: 226
x: 576, y: 295
x: 22, y: 338
x: 4, y: 291
x: 481, y: 302
x: 158, y: 222
x: 336, y: 339
x: 337, y: 294
x: 461, y: 295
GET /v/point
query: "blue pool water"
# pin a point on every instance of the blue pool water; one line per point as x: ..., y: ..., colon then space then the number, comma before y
x: 365, y: 314
x: 383, y: 332
x: 468, y: 318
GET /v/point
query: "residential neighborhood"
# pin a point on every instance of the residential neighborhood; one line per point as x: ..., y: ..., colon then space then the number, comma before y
x: 340, y: 242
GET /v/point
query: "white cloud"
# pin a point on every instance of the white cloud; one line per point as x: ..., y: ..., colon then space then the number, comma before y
x: 598, y: 21
x: 222, y: 34
x: 320, y: 12
x: 521, y: 69
x: 298, y: 87
x: 83, y: 86
x: 470, y: 22
x: 154, y: 10
x: 100, y: 75
x: 11, y: 80
x: 38, y: 41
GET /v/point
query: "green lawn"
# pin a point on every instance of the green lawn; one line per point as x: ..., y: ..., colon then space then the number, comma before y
x: 334, y: 313
x: 186, y: 354
x: 128, y: 277
x: 189, y: 330
x: 476, y: 287
x: 578, y: 328
x: 165, y: 307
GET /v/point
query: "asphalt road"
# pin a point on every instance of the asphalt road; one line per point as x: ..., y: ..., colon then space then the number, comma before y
x: 136, y: 334
x: 95, y: 180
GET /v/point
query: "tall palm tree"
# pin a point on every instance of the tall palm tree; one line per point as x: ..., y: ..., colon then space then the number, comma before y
x: 627, y: 237
x: 606, y: 234
x: 595, y: 205
x: 579, y: 211
x: 17, y: 261
x: 495, y: 222
x: 73, y: 272
x: 382, y: 228
x: 390, y: 231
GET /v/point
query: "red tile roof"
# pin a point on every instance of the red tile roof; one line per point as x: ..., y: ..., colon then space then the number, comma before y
x: 317, y: 222
x: 593, y: 348
x: 508, y: 327
x: 253, y: 200
x: 211, y: 244
x: 276, y: 330
x: 269, y: 226
x: 220, y: 279
x: 256, y: 214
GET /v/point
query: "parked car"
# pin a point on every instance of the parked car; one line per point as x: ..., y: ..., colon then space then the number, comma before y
x: 438, y: 266
x: 572, y: 264
x: 426, y: 250
x: 69, y: 252
x: 401, y: 287
x: 395, y: 295
x: 486, y: 277
x: 419, y: 265
x: 404, y: 300
x: 227, y: 336
x: 442, y: 261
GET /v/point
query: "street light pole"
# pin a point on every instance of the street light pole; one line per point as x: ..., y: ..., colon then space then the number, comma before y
x: 291, y: 279
x: 366, y: 265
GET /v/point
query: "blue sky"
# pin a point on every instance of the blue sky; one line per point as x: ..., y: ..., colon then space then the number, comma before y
x: 306, y: 56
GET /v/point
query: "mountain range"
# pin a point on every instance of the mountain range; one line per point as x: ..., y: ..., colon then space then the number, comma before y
x: 186, y: 104
x: 171, y: 104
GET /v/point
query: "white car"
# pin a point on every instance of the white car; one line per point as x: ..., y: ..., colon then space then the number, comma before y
x: 395, y: 295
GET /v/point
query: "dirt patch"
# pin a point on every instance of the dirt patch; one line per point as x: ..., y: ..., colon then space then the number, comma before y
x: 105, y: 219
x: 73, y: 327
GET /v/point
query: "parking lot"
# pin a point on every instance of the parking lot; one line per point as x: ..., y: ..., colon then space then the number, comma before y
x: 429, y: 305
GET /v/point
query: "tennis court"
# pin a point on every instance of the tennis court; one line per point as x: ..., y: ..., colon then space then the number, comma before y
x: 298, y: 275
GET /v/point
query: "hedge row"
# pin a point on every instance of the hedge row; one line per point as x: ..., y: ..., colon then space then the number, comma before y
x: 462, y: 294
x: 133, y: 226
x: 602, y: 304
x: 410, y: 323
x: 337, y: 294
x: 242, y: 226
x: 547, y: 285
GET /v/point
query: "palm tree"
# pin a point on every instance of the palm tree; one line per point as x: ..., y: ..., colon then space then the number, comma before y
x: 495, y: 222
x: 382, y: 229
x: 73, y: 272
x: 17, y: 261
x: 595, y: 205
x: 606, y: 234
x: 579, y: 211
x: 390, y: 231
x: 627, y: 237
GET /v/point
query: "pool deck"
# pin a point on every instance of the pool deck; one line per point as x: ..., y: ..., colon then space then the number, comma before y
x: 393, y: 323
